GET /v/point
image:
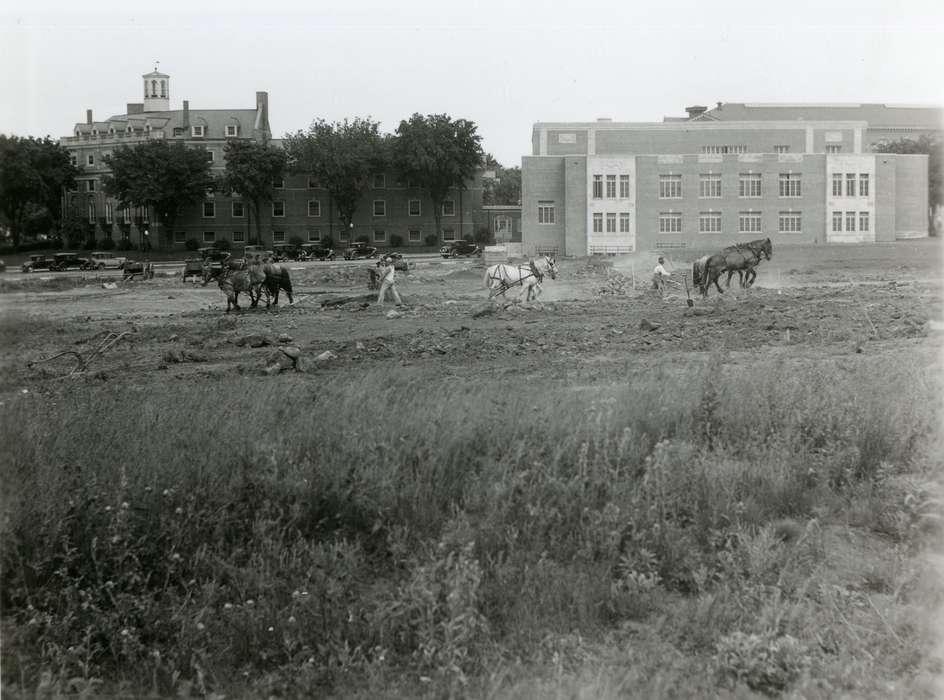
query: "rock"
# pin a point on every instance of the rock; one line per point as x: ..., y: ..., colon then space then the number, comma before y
x: 193, y: 356
x: 326, y: 356
x: 173, y: 338
x: 359, y: 346
x: 271, y: 370
x: 109, y: 285
x: 172, y: 356
x: 484, y: 310
x: 292, y: 352
x: 645, y: 325
x: 393, y: 313
x: 285, y: 338
x: 255, y: 340
x: 697, y: 311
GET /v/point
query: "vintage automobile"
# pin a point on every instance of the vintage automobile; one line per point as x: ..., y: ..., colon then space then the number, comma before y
x: 36, y: 262
x: 359, y: 250
x: 316, y: 251
x: 69, y: 261
x: 105, y: 260
x: 460, y: 248
x: 286, y: 251
x: 399, y: 262
x: 250, y: 251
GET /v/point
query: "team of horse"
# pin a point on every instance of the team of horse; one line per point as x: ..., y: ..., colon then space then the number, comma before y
x: 741, y: 258
x: 256, y: 277
x: 501, y: 277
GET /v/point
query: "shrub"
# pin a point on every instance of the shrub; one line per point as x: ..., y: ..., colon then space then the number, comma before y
x: 124, y: 244
x: 483, y: 236
x: 431, y: 240
x: 363, y: 238
x: 296, y: 240
x: 223, y: 244
x: 766, y: 663
x: 192, y: 244
x: 396, y: 240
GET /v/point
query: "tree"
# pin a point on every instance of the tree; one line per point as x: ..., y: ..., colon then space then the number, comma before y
x: 165, y: 177
x: 33, y: 175
x: 505, y: 188
x: 934, y: 148
x: 251, y: 170
x: 342, y: 156
x: 439, y: 154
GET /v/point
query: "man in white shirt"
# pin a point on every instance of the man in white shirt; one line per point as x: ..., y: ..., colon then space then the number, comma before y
x: 387, y: 281
x: 660, y: 275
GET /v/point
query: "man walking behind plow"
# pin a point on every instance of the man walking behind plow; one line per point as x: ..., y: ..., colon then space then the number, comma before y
x: 388, y: 281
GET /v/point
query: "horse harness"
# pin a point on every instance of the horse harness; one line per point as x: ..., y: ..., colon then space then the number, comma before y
x: 504, y: 285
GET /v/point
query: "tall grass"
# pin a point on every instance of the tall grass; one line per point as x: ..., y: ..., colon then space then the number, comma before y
x: 286, y: 536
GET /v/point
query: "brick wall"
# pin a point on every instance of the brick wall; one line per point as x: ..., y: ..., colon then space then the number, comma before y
x: 542, y: 179
x: 911, y: 196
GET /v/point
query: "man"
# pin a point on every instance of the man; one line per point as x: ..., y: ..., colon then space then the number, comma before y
x: 388, y: 281
x: 660, y: 275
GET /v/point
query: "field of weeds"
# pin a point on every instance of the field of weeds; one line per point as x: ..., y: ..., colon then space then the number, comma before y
x: 546, y: 501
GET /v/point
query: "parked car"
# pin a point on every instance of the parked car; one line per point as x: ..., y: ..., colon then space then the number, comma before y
x: 105, y: 260
x: 359, y: 250
x: 285, y: 251
x: 461, y: 248
x: 36, y: 262
x: 250, y: 251
x: 69, y: 261
x: 316, y: 251
x: 399, y: 262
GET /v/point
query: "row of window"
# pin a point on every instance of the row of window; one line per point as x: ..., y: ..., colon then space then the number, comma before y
x: 124, y: 214
x: 850, y: 220
x: 610, y: 181
x: 850, y: 179
x: 414, y: 235
x: 716, y: 150
x: 749, y: 185
x: 748, y: 222
x: 414, y: 208
x: 611, y: 220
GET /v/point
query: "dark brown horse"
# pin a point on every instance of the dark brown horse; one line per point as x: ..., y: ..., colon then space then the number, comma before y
x: 741, y: 258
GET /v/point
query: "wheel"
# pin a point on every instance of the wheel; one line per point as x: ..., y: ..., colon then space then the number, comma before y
x: 455, y: 255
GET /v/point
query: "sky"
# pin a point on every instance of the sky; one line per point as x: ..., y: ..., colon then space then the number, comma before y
x: 502, y: 65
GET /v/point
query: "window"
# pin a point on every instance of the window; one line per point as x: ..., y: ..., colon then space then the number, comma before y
x: 109, y: 213
x: 749, y: 222
x: 789, y: 222
x: 314, y: 235
x: 209, y: 156
x: 90, y: 186
x: 278, y: 208
x: 598, y: 187
x: 449, y: 234
x: 850, y: 184
x: 198, y: 131
x: 709, y: 222
x: 239, y: 237
x: 180, y: 236
x: 624, y: 222
x: 313, y: 183
x: 863, y: 184
x: 781, y: 149
x: 178, y: 131
x: 239, y: 210
x: 611, y: 186
x: 209, y: 210
x: 278, y: 184
x: 314, y: 207
x: 709, y: 186
x: 790, y: 185
x: 863, y: 221
x: 73, y: 159
x: 380, y: 207
x: 209, y: 236
x: 850, y: 221
x: 598, y: 223
x: 545, y: 212
x: 380, y: 236
x: 833, y: 148
x: 723, y: 149
x: 670, y: 222
x: 91, y: 212
x: 90, y: 159
x: 837, y: 221
x: 380, y: 181
x: 126, y: 215
x: 414, y: 235
x: 145, y: 216
x: 670, y: 187
x: 837, y: 184
x: 278, y: 236
x: 231, y: 130
x: 749, y: 185
x: 449, y: 207
x: 414, y: 207
x: 611, y: 221
x: 624, y: 187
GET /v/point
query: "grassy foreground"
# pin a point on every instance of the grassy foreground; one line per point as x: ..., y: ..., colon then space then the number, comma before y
x: 704, y: 531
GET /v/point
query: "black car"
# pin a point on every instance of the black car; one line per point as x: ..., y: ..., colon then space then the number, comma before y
x: 359, y: 251
x: 461, y: 248
x: 69, y: 261
x: 399, y: 262
x: 316, y: 251
x: 285, y: 251
x: 37, y: 262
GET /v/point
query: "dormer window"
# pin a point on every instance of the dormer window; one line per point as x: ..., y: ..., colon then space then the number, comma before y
x: 111, y: 131
x: 129, y: 129
x: 198, y: 131
x: 94, y: 132
x: 231, y: 130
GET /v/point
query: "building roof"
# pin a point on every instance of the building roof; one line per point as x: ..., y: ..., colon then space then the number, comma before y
x: 877, y: 115
x: 213, y: 119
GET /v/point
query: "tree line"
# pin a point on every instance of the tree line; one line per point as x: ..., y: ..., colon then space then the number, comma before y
x: 434, y: 152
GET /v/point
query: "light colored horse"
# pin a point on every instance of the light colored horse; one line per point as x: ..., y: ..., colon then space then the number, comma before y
x: 501, y: 277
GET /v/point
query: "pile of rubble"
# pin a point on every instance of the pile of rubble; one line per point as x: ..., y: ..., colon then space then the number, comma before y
x: 615, y: 284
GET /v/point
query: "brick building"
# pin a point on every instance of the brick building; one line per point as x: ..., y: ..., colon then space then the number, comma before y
x: 794, y: 173
x: 300, y: 207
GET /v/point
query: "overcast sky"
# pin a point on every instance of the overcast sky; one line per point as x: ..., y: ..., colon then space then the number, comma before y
x: 501, y: 64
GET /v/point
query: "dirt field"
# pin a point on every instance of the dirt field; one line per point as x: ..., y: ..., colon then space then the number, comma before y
x: 807, y: 302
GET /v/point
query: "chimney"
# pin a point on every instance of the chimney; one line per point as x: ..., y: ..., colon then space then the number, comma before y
x: 186, y: 123
x: 262, y: 114
x: 88, y: 117
x: 719, y: 105
x: 695, y: 111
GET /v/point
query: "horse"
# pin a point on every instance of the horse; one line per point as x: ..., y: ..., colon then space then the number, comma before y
x: 743, y: 257
x: 277, y: 278
x: 232, y: 282
x: 501, y: 277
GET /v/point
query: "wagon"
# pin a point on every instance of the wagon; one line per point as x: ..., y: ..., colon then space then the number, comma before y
x: 193, y: 267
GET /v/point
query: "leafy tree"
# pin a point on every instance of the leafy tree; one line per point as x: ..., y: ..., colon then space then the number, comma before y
x: 934, y: 148
x: 341, y: 155
x: 505, y: 189
x: 33, y: 173
x: 438, y: 153
x: 166, y: 177
x: 251, y: 170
